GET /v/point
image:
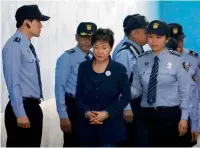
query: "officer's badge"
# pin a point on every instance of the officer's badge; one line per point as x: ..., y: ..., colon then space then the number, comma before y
x: 169, y: 65
x: 108, y: 73
x: 17, y: 39
x: 175, y: 30
x: 194, y: 78
x: 89, y: 27
x: 83, y: 33
x: 186, y: 66
x: 146, y: 64
x: 155, y: 25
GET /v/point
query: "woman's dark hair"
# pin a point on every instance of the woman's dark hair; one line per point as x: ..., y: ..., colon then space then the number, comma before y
x: 103, y: 35
x: 19, y: 23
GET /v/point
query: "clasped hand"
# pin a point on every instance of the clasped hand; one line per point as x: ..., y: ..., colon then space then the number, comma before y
x: 96, y: 117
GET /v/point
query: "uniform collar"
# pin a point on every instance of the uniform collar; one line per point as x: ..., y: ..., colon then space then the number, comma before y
x: 161, y: 54
x: 125, y: 38
x: 184, y: 52
x: 23, y: 39
x: 136, y: 45
x: 77, y: 49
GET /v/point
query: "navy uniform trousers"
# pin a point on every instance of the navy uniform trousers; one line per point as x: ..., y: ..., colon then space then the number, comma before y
x: 158, y: 127
x: 24, y: 137
x: 132, y: 127
x: 70, y: 139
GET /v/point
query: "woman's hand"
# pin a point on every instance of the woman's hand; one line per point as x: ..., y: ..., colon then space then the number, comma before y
x: 90, y: 115
x: 100, y: 116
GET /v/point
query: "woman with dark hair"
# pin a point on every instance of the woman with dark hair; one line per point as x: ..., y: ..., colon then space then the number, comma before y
x: 102, y: 92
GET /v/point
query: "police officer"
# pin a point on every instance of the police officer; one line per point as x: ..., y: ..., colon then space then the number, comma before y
x: 66, y: 79
x: 166, y: 86
x: 135, y: 31
x: 23, y: 115
x: 191, y: 63
x: 125, y: 38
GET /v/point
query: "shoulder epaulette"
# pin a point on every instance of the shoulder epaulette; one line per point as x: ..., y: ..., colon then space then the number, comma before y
x: 70, y: 51
x: 193, y: 53
x: 17, y: 39
x: 125, y: 46
x: 174, y: 52
x: 145, y: 53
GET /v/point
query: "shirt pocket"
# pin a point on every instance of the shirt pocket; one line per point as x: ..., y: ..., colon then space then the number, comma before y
x: 144, y: 76
x: 75, y: 68
x: 167, y: 77
x: 28, y: 57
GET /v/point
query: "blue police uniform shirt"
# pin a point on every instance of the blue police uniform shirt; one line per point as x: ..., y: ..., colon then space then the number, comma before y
x: 66, y: 76
x: 118, y: 47
x: 173, y: 81
x: 128, y: 59
x: 20, y: 72
x: 191, y: 60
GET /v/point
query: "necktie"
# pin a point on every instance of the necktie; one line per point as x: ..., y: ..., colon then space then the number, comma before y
x: 87, y: 57
x: 151, y: 95
x: 38, y: 69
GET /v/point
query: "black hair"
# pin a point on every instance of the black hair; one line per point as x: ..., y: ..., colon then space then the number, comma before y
x: 103, y: 35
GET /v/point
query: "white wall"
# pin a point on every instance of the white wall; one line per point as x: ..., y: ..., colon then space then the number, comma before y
x: 58, y: 35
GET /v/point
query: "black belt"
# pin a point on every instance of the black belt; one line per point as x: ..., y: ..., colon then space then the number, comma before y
x: 160, y: 108
x: 33, y: 100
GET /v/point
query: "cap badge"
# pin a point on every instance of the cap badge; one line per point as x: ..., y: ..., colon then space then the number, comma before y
x: 175, y: 30
x: 155, y: 25
x: 89, y: 27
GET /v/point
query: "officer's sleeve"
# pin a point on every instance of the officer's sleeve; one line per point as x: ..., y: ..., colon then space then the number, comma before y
x: 128, y: 107
x: 184, y: 86
x: 80, y: 94
x: 198, y: 77
x: 127, y: 59
x: 136, y: 87
x: 194, y: 112
x: 125, y: 92
x: 12, y: 67
x: 63, y: 71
